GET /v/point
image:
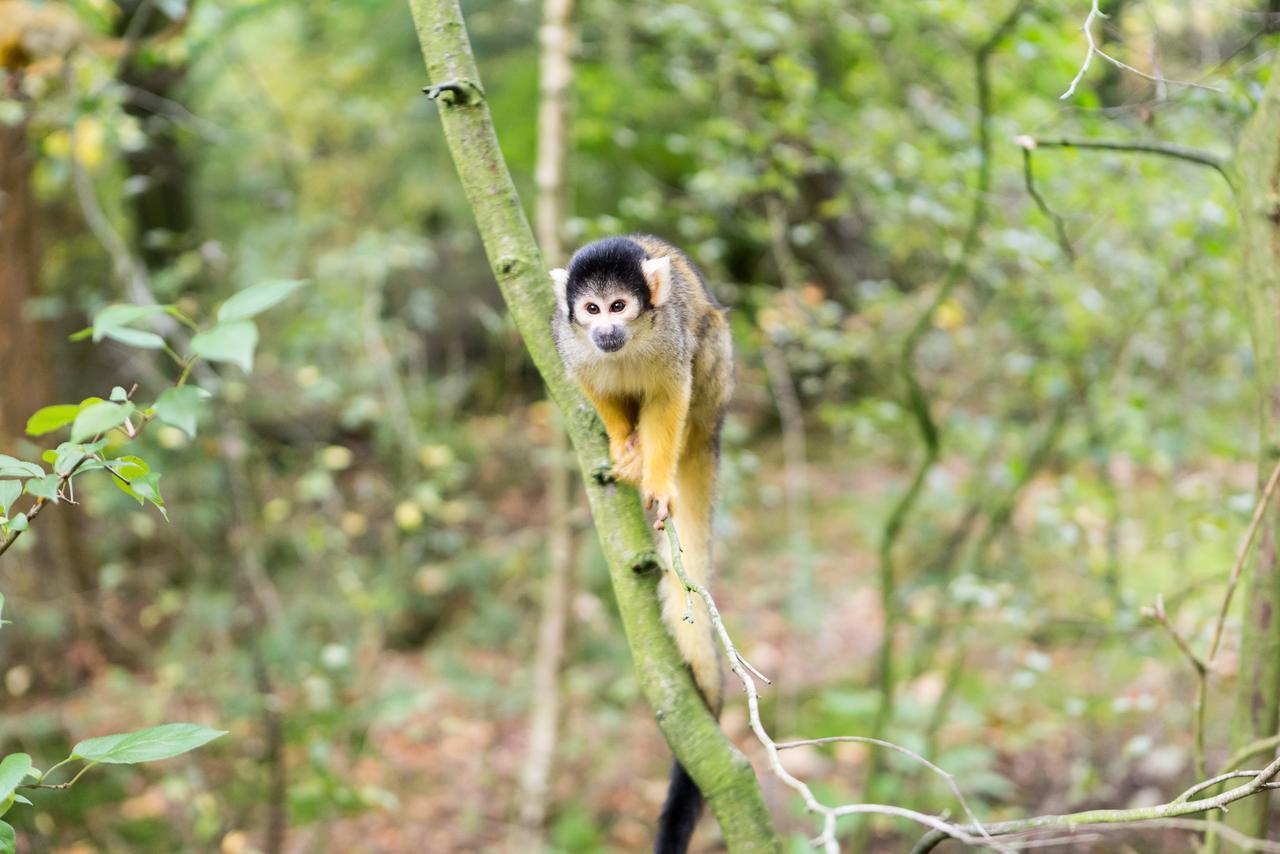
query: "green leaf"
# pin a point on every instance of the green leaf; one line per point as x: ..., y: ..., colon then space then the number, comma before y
x: 179, y: 407
x: 228, y: 342
x: 19, y: 799
x: 113, y: 318
x: 9, y: 492
x: 13, y: 770
x: 19, y: 523
x: 99, y: 418
x: 118, y: 394
x: 145, y: 745
x: 14, y: 467
x: 8, y: 839
x: 256, y: 299
x: 69, y: 454
x: 51, y: 418
x: 44, y: 487
x: 126, y: 472
x: 135, y: 338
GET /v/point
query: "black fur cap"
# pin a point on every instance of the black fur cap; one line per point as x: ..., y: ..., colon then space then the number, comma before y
x: 613, y: 259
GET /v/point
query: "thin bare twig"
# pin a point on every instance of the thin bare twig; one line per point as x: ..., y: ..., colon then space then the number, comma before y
x: 1134, y: 146
x: 1028, y: 144
x: 879, y: 742
x: 1241, y: 554
x: 1173, y: 809
x: 1094, y: 50
x: 1158, y: 614
x: 1249, y: 751
x: 827, y: 839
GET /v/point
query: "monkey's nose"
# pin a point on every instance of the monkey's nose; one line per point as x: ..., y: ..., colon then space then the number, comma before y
x: 609, y: 340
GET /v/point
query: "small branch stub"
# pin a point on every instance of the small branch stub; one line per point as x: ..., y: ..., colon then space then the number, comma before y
x: 454, y: 92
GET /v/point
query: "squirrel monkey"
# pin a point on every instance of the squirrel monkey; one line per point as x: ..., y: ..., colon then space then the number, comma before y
x: 640, y: 333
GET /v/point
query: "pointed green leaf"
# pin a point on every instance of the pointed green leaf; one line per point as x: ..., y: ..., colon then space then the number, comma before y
x: 9, y: 492
x: 115, y: 317
x: 44, y: 487
x: 126, y: 471
x: 99, y: 418
x: 14, y: 467
x: 256, y: 299
x: 118, y: 394
x: 51, y: 418
x: 135, y: 338
x: 180, y: 407
x: 146, y: 745
x: 19, y: 799
x: 228, y: 342
x: 69, y: 454
x: 13, y: 770
x: 8, y: 839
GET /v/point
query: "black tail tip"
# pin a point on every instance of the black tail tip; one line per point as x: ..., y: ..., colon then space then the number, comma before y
x: 679, y: 814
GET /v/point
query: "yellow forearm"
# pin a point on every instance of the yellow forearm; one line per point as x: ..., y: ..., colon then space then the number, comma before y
x: 616, y: 418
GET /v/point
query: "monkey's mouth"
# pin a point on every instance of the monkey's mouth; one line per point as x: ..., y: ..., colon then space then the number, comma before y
x: 609, y: 343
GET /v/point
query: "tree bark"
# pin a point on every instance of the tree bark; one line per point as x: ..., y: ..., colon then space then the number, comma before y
x: 24, y: 367
x: 722, y: 773
x: 1257, y: 701
x: 52, y: 565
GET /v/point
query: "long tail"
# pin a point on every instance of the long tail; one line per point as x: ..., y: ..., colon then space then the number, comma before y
x: 696, y: 481
x: 679, y: 813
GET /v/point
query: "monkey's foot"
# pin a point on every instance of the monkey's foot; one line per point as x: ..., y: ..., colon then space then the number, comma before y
x: 629, y: 464
x: 662, y: 504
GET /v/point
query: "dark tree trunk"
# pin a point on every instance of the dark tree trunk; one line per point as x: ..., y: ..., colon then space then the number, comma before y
x: 52, y: 565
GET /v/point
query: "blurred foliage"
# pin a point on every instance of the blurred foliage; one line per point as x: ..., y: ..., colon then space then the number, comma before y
x: 348, y: 582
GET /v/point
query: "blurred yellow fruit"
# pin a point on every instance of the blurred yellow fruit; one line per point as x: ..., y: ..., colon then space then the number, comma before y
x: 336, y: 457
x: 435, y: 456
x: 172, y: 438
x: 90, y: 141
x: 276, y: 510
x: 949, y: 316
x: 408, y: 516
x: 234, y: 842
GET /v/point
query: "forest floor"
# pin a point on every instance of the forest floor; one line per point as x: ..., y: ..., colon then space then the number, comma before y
x: 1066, y: 699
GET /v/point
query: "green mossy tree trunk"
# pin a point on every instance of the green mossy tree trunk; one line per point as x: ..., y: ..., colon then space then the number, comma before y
x: 722, y: 773
x: 1258, y: 693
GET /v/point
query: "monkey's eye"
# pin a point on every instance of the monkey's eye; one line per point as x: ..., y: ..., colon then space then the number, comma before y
x: 618, y: 305
x: 592, y: 308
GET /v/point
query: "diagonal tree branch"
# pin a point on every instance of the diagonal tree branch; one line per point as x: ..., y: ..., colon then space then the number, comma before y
x: 722, y: 773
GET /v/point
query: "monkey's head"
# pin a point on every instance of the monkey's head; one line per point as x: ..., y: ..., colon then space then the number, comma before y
x: 610, y: 290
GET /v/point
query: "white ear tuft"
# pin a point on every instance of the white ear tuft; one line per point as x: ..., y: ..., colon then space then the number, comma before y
x: 657, y: 272
x: 560, y: 277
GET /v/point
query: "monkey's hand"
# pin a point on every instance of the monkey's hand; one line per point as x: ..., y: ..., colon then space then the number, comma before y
x: 663, y: 504
x: 628, y: 461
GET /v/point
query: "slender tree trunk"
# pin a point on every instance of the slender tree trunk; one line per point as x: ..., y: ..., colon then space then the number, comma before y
x: 1258, y: 692
x: 555, y: 75
x: 722, y: 773
x: 161, y: 204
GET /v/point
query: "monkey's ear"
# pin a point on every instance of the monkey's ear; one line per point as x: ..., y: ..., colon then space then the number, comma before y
x: 657, y: 272
x: 560, y: 278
